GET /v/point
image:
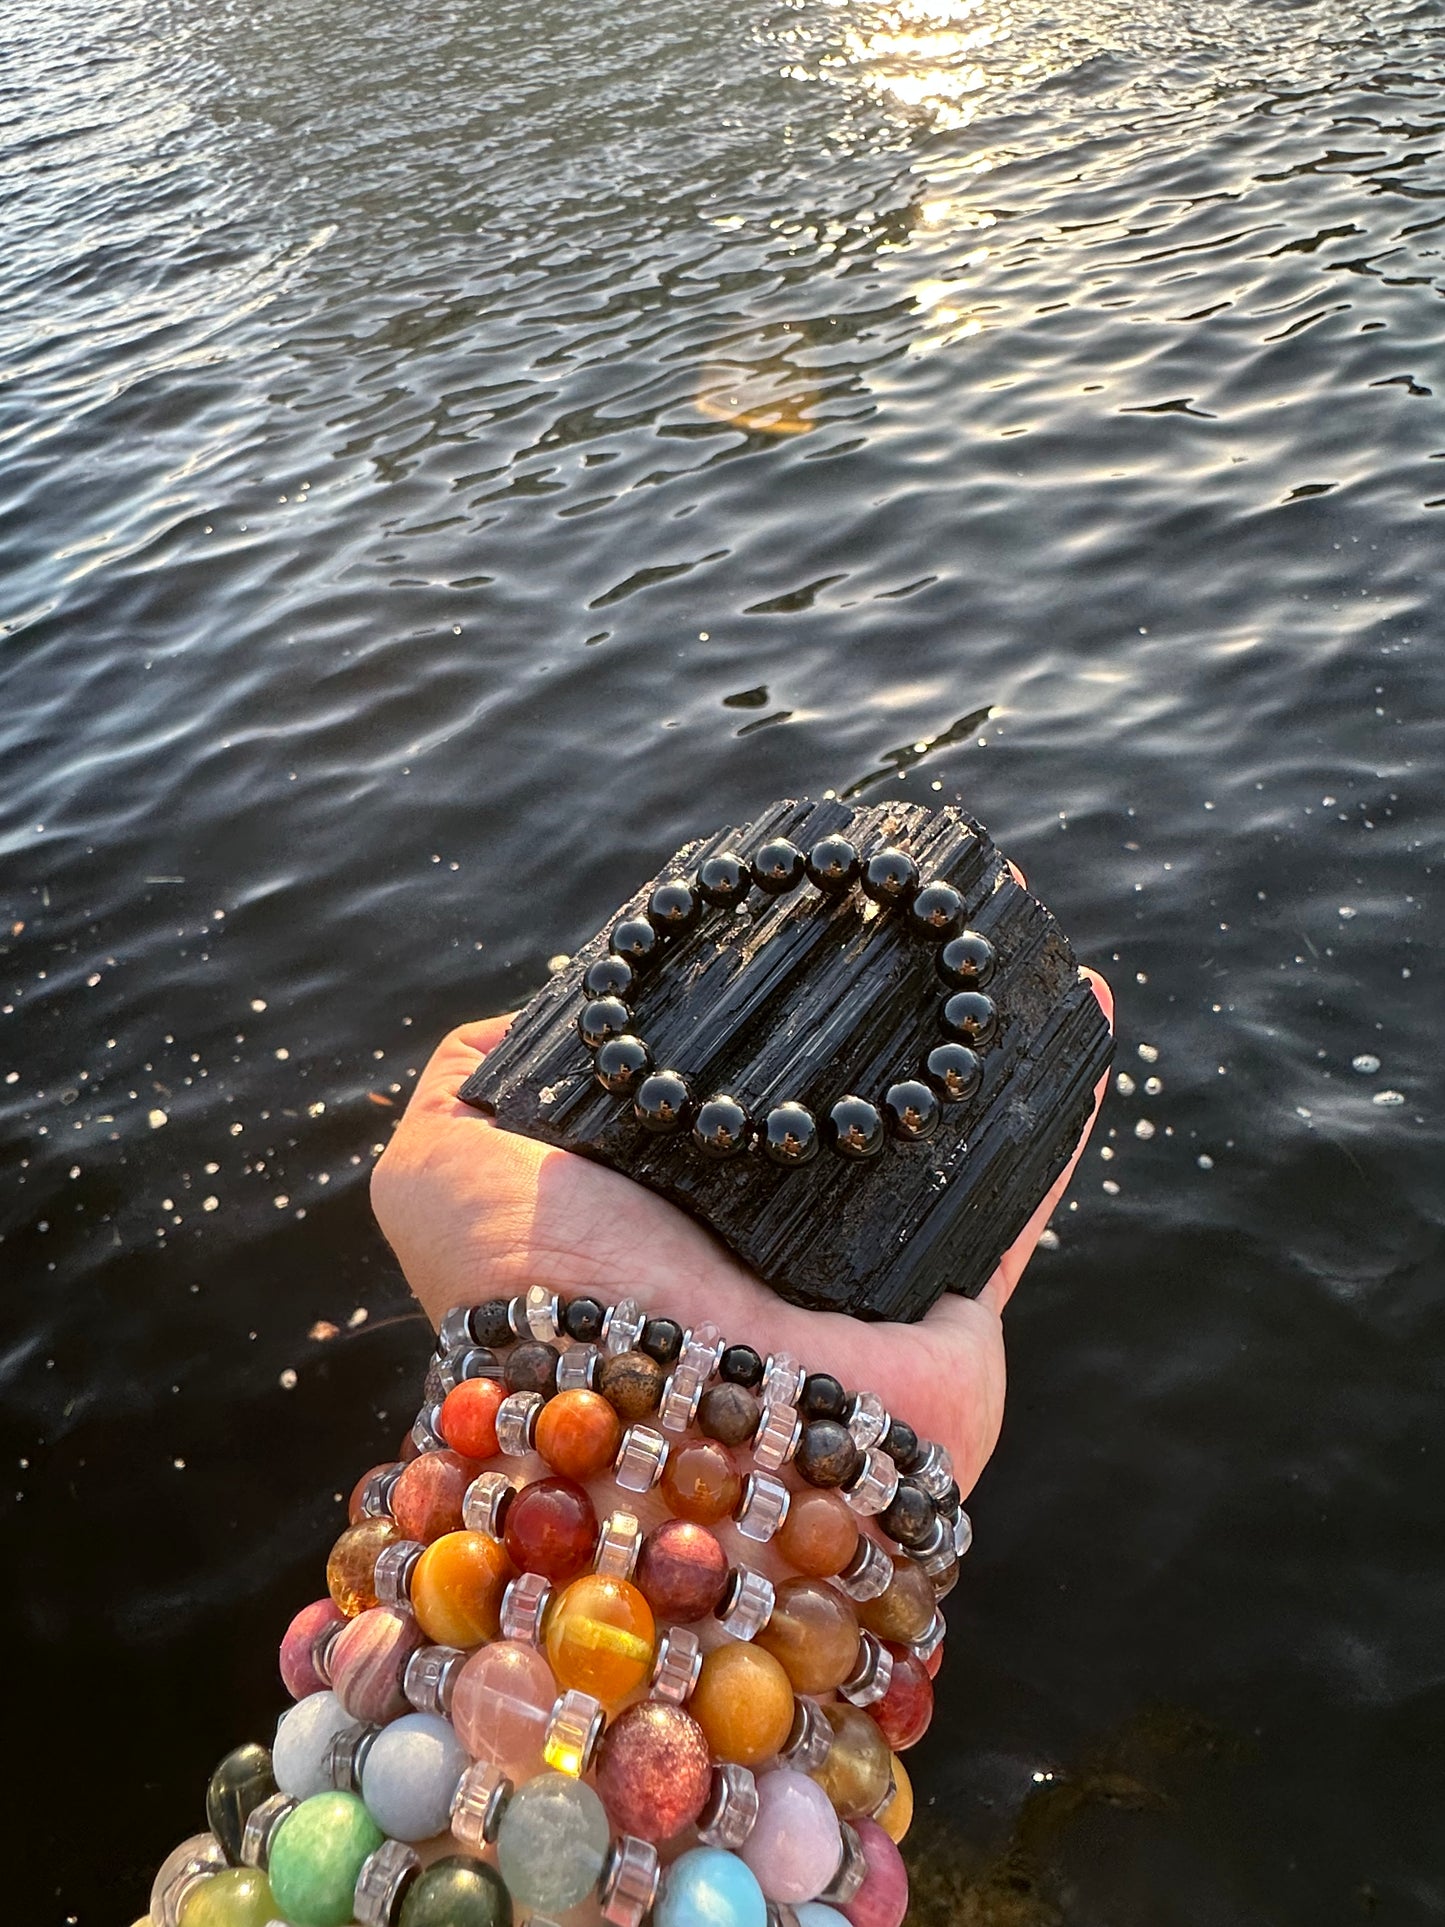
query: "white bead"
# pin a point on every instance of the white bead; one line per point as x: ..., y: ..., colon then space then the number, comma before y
x: 410, y: 1775
x: 303, y: 1740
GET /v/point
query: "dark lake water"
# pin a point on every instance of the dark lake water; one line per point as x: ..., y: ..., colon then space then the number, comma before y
x: 451, y: 453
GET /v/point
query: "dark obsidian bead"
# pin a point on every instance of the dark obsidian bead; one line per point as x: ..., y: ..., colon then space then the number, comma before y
x: 826, y: 1453
x: 936, y: 912
x: 855, y: 1128
x: 823, y: 1396
x: 910, y: 1515
x: 722, y: 1129
x: 729, y: 1413
x: 238, y: 1786
x: 970, y: 1017
x: 637, y: 941
x: 900, y: 1442
x: 609, y: 977
x: 834, y: 865
x: 663, y: 1102
x: 967, y: 962
x: 582, y: 1320
x: 953, y: 1070
x: 890, y: 877
x: 601, y: 1018
x: 456, y: 1892
x: 950, y: 1502
x: 741, y: 1365
x: 532, y: 1367
x: 673, y: 908
x: 790, y: 1134
x: 621, y: 1063
x: 779, y: 866
x: 723, y: 880
x: 661, y: 1339
x: 491, y: 1324
x: 911, y: 1110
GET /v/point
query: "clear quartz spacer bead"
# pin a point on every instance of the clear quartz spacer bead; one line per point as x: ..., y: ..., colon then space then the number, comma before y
x: 868, y: 1574
x: 424, y: 1433
x: 622, y: 1327
x: 873, y: 1486
x: 935, y: 1474
x: 384, y: 1877
x: 485, y: 1503
x: 936, y: 1555
x: 346, y: 1756
x: 477, y: 1361
x: 783, y: 1379
x: 391, y: 1577
x: 842, y: 1889
x: 776, y: 1440
x: 430, y: 1678
x: 543, y: 1314
x: 678, y: 1665
x: 640, y: 1458
x: 871, y: 1676
x: 762, y: 1508
x: 962, y: 1533
x: 926, y: 1647
x: 376, y: 1493
x: 322, y: 1649
x: 628, y: 1885
x: 867, y: 1421
x: 262, y: 1823
x: 747, y: 1603
x: 517, y: 1422
x: 517, y: 1315
x: 574, y: 1727
x: 455, y: 1332
x: 702, y: 1348
x: 524, y: 1607
x: 810, y: 1739
x: 618, y: 1545
x: 478, y: 1804
x: 181, y: 1872
x: 577, y: 1369
x: 681, y: 1396
x: 731, y: 1811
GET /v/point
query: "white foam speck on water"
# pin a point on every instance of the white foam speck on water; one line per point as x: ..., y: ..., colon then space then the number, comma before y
x: 1205, y: 1161
x: 1111, y: 1187
x: 1348, y: 910
x: 1366, y: 1063
x: 1144, y: 1128
x: 156, y: 1119
x: 287, y: 1379
x: 1149, y: 1053
x: 1125, y: 1085
x: 1388, y: 1097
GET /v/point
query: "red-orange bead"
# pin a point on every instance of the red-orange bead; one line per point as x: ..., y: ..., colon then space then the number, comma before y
x: 701, y: 1481
x: 552, y: 1529
x: 468, y: 1418
x: 426, y: 1500
x: 578, y: 1434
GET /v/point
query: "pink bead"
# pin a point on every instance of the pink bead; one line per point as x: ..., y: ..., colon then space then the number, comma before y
x: 795, y: 1846
x: 368, y: 1660
x: 504, y: 1696
x: 298, y: 1645
x: 882, y: 1900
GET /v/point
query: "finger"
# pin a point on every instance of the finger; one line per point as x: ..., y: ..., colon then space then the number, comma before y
x: 452, y: 1063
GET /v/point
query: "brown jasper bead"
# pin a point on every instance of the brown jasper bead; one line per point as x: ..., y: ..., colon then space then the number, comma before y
x: 905, y: 1611
x: 631, y: 1382
x: 729, y: 1413
x: 819, y: 1535
x: 682, y: 1571
x: 826, y: 1453
x: 812, y: 1634
x: 701, y: 1481
x: 532, y: 1367
x: 856, y: 1772
x: 426, y: 1500
x: 351, y: 1568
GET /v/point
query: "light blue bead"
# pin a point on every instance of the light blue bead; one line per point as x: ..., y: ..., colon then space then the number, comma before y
x: 813, y: 1913
x: 710, y: 1888
x: 411, y: 1774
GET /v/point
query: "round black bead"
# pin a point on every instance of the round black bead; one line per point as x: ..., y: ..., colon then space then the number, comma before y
x: 582, y: 1320
x: 602, y: 1018
x: 953, y: 1070
x: 823, y: 1396
x: 826, y: 1454
x: 673, y: 908
x: 663, y: 1102
x: 967, y: 962
x: 609, y: 976
x: 723, y: 880
x: 890, y: 876
x: 779, y: 866
x: 911, y: 1110
x: 532, y: 1367
x: 790, y: 1134
x: 741, y: 1365
x: 900, y: 1442
x: 637, y: 941
x: 729, y: 1413
x: 491, y: 1324
x: 855, y: 1128
x: 834, y: 865
x: 936, y: 912
x: 721, y: 1129
x: 910, y: 1516
x: 662, y: 1340
x: 970, y: 1017
x: 621, y: 1063
x: 238, y: 1786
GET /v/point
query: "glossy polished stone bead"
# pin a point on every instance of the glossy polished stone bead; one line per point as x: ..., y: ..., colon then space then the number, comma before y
x: 882, y: 1900
x: 457, y: 1892
x: 582, y: 1320
x: 368, y: 1661
x: 967, y: 961
x: 300, y: 1645
x: 901, y: 1444
x: 826, y: 1455
x: 790, y: 1135
x: 578, y: 1434
x: 410, y: 1774
x: 316, y: 1856
x: 663, y: 1102
x: 242, y: 1781
x: 501, y: 1703
x: 820, y: 1534
x: 911, y: 1111
x: 303, y: 1741
x: 741, y: 1365
x: 904, y: 1712
x: 708, y: 1887
x: 779, y: 866
x: 853, y: 1128
x: 236, y: 1897
x: 954, y: 1071
x: 636, y: 940
x: 610, y: 976
x: 701, y: 1481
x: 723, y: 880
x: 814, y: 1913
x: 813, y: 1634
x: 552, y: 1842
x: 743, y: 1701
x: 729, y: 1413
x: 732, y: 1808
x: 673, y: 908
x: 641, y: 1458
x: 970, y: 1018
x: 722, y: 1128
x: 936, y: 913
x: 682, y: 1571
x: 895, y: 1816
x: 456, y: 1590
x: 552, y: 1526
x: 662, y: 1339
x: 601, y: 1019
x: 351, y: 1566
x: 834, y: 865
x: 890, y: 877
x: 532, y: 1367
x: 574, y: 1727
x: 654, y: 1771
x: 677, y: 1666
x: 910, y: 1517
x: 795, y: 1846
x: 468, y: 1419
x: 855, y: 1774
x: 601, y: 1638
x: 621, y: 1064
x: 822, y: 1396
x: 904, y: 1610
x: 426, y: 1500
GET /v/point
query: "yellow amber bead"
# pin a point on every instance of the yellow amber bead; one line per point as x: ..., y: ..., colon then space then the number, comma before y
x: 457, y: 1587
x: 351, y: 1567
x: 896, y: 1815
x: 601, y: 1638
x: 743, y: 1702
x: 855, y: 1774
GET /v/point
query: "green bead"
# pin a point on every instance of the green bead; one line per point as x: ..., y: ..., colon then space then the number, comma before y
x: 239, y: 1897
x: 457, y: 1892
x: 238, y: 1785
x: 316, y: 1856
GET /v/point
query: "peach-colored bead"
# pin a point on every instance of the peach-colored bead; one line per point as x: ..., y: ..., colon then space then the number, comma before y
x: 504, y: 1695
x: 813, y: 1635
x: 819, y: 1535
x: 743, y: 1701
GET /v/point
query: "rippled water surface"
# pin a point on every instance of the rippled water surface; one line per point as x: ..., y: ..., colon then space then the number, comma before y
x: 450, y: 453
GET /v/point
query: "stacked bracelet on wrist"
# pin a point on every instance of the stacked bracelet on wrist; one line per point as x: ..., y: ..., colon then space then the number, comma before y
x: 594, y: 1707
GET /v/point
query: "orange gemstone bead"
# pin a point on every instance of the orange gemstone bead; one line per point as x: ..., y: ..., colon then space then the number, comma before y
x: 856, y: 1774
x: 601, y: 1638
x: 743, y: 1701
x: 457, y: 1587
x: 905, y: 1611
x: 351, y: 1568
x: 895, y: 1816
x: 819, y: 1535
x: 468, y: 1418
x: 812, y: 1634
x: 701, y: 1481
x: 426, y: 1500
x: 578, y: 1434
